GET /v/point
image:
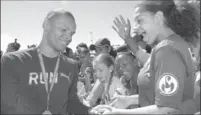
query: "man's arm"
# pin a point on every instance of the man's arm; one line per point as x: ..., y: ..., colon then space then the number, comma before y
x: 9, y: 84
x: 74, y: 106
x: 88, y: 75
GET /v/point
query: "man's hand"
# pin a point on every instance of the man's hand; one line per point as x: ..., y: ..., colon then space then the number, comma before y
x: 198, y: 113
x: 87, y: 78
x: 102, y: 109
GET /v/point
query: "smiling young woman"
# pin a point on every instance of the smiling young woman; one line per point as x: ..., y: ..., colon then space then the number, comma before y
x: 166, y: 81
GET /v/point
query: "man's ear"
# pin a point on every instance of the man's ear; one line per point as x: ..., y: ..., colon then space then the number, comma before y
x: 159, y: 18
x: 46, y: 25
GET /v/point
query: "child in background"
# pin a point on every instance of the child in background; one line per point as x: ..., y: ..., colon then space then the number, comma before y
x: 103, y: 66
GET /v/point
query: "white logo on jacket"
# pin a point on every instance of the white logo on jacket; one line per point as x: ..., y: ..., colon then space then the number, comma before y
x: 168, y: 84
x: 66, y: 76
x: 35, y: 78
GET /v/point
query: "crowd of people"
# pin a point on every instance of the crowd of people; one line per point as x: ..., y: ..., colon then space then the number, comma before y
x: 156, y: 71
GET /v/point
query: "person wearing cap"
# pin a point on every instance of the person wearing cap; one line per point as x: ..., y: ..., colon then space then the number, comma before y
x: 102, y: 45
x: 42, y: 80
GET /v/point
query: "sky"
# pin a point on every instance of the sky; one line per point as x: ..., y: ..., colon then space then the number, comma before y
x: 23, y: 20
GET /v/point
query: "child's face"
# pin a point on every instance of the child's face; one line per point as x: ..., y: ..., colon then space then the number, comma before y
x: 126, y: 66
x: 102, y: 71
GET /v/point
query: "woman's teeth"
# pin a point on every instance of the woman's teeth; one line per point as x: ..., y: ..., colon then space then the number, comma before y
x: 64, y: 42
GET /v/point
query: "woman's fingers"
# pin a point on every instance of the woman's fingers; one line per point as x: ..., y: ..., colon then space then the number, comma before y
x: 118, y: 21
x: 115, y: 29
x: 122, y: 20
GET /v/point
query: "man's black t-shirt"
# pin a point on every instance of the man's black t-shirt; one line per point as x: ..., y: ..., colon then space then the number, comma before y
x: 23, y: 89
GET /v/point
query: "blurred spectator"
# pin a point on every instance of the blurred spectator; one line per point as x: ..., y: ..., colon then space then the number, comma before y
x: 13, y: 46
x: 86, y: 70
x: 103, y: 45
x: 31, y: 46
x: 82, y: 52
x: 69, y: 52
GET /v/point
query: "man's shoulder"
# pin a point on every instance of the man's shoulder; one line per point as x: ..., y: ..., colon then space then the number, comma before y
x: 18, y: 55
x: 68, y: 60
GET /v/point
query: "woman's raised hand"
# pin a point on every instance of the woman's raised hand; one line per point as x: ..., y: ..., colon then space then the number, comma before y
x: 122, y: 27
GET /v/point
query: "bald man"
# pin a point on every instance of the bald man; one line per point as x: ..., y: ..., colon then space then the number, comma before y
x: 42, y: 80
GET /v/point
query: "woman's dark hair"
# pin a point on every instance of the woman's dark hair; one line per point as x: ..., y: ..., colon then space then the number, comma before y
x: 113, y: 52
x: 190, y: 21
x: 148, y: 49
x: 183, y: 18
